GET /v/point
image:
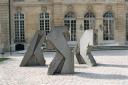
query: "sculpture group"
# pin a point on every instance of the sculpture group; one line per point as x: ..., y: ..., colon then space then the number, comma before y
x: 63, y: 62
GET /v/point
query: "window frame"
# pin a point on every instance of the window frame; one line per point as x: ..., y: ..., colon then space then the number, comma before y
x: 44, y: 22
x: 108, y: 26
x: 89, y: 21
x: 19, y: 23
x: 70, y: 22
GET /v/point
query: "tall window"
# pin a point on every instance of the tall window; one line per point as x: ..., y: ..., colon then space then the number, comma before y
x: 19, y: 27
x: 44, y: 22
x: 70, y: 22
x: 127, y: 27
x: 108, y: 26
x: 89, y: 21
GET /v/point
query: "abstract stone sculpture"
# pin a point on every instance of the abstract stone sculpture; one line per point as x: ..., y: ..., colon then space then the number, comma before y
x: 34, y: 55
x: 78, y: 56
x: 83, y: 52
x: 63, y: 63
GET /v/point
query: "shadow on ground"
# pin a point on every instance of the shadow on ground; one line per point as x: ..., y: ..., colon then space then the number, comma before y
x: 36, y: 67
x: 103, y: 65
x: 113, y: 65
x: 101, y: 76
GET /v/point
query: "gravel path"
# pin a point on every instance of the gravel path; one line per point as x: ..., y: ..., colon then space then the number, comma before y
x: 112, y: 70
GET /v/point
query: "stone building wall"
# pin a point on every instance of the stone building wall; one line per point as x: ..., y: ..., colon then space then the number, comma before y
x: 4, y: 26
x: 57, y: 10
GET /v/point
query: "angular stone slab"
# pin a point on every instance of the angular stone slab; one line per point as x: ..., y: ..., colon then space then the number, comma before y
x: 85, y: 50
x: 63, y: 63
x: 34, y: 55
x: 56, y: 64
x: 78, y: 56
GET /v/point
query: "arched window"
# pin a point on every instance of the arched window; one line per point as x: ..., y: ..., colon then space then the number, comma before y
x: 19, y: 27
x: 44, y: 22
x: 108, y: 26
x: 70, y: 22
x: 89, y: 21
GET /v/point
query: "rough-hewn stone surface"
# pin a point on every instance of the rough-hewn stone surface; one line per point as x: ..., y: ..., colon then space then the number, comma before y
x: 65, y: 64
x: 34, y: 54
x: 56, y: 64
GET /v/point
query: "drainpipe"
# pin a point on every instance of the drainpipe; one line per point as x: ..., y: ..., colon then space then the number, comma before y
x: 9, y: 5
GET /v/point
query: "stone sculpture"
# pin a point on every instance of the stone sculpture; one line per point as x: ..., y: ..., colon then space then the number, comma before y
x: 83, y: 50
x: 78, y: 56
x: 63, y: 63
x: 34, y: 55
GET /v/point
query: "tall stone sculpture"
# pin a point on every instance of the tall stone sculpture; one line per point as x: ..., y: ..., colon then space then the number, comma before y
x: 83, y: 50
x: 63, y: 63
x: 78, y: 56
x: 34, y: 55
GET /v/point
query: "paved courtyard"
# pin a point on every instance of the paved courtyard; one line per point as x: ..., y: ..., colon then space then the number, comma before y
x: 112, y: 69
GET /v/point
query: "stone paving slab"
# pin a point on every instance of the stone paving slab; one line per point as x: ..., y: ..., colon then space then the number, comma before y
x: 112, y: 70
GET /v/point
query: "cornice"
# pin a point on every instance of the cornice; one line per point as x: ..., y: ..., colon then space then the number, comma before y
x: 32, y: 4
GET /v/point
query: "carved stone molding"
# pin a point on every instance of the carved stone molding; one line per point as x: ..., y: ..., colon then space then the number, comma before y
x: 44, y: 8
x: 90, y: 8
x: 108, y: 7
x: 18, y: 8
x: 70, y: 8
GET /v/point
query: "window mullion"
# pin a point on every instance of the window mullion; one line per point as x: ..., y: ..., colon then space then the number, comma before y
x: 44, y: 25
x: 70, y: 30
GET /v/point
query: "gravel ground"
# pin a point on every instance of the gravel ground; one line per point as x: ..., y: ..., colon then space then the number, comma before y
x: 112, y: 69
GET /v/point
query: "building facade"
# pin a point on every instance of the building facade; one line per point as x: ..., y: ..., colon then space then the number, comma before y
x: 4, y: 25
x: 109, y: 18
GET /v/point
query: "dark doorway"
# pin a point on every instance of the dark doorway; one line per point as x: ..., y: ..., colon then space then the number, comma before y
x: 19, y: 47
